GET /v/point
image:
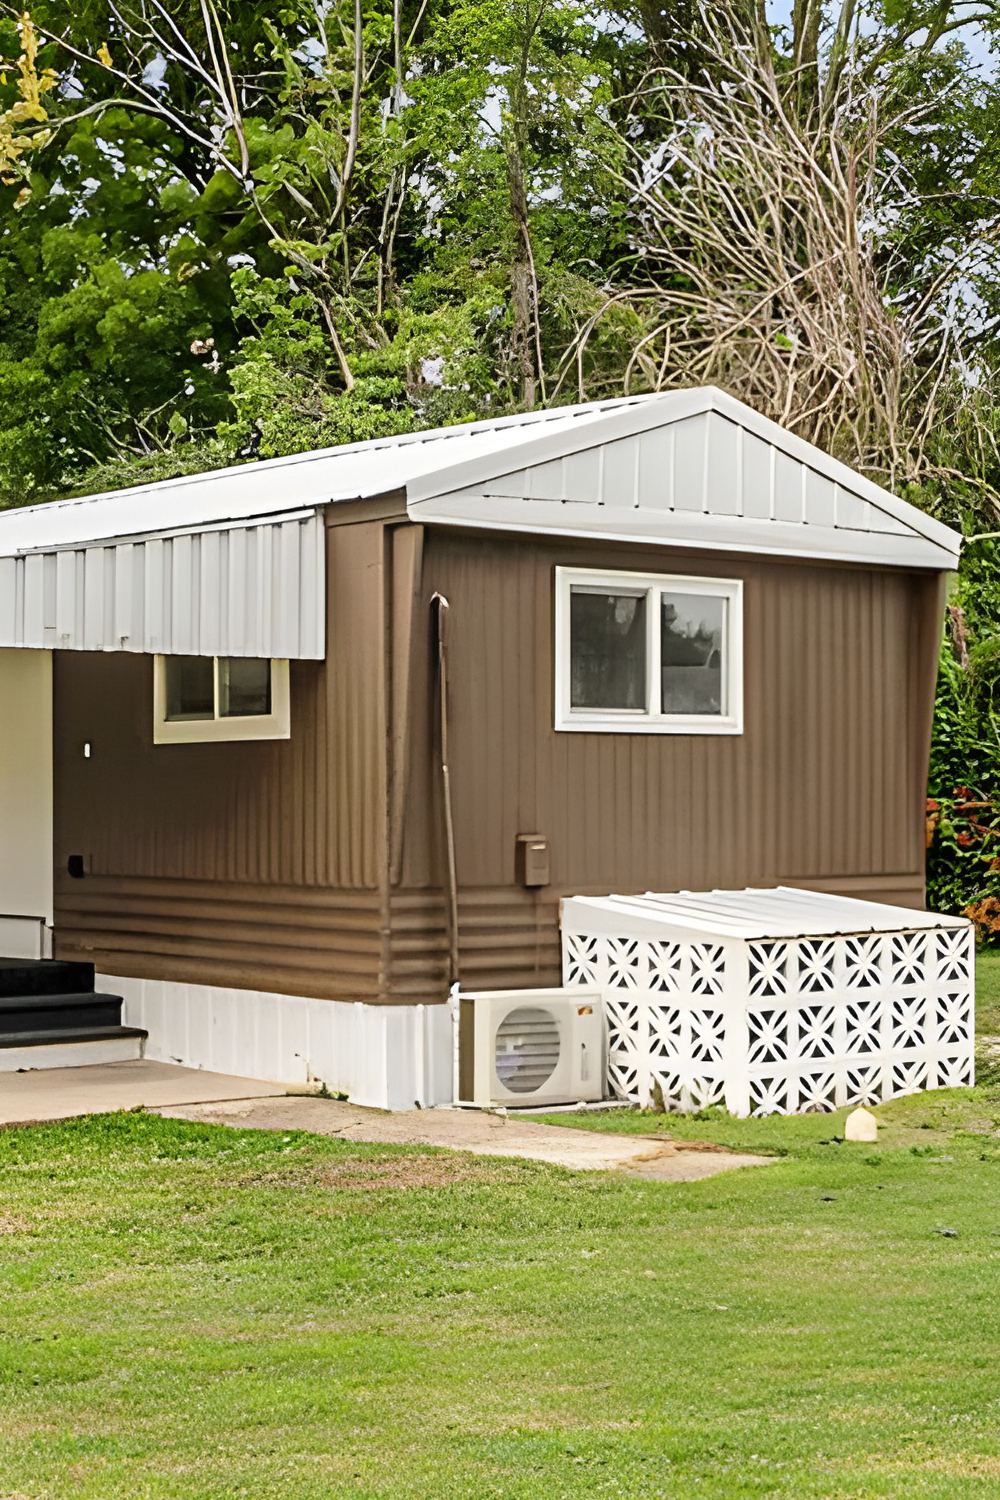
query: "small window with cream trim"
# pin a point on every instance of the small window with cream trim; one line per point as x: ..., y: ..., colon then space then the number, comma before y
x: 202, y: 698
x: 648, y: 653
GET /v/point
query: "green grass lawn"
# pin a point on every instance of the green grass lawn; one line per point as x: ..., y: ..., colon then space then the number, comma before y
x: 191, y: 1311
x: 988, y: 991
x: 194, y: 1312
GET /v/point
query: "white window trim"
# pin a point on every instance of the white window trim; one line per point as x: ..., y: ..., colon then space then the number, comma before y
x: 273, y: 726
x: 646, y: 721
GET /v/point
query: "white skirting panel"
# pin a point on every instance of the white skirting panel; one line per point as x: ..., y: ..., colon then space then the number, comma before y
x: 25, y: 937
x: 384, y: 1056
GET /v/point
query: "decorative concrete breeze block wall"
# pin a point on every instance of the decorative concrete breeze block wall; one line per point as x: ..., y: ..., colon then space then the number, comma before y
x: 777, y: 1025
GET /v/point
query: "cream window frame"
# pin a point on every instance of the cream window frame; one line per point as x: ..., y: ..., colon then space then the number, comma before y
x: 648, y: 720
x: 276, y: 725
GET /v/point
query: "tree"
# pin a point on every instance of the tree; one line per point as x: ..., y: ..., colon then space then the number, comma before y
x: 781, y: 224
x: 20, y: 134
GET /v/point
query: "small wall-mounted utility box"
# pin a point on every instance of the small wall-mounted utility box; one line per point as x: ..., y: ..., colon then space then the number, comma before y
x: 532, y: 859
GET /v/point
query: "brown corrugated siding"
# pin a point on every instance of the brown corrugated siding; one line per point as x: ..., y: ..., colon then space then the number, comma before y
x: 500, y: 927
x: 824, y: 788
x: 314, y: 866
x: 278, y: 938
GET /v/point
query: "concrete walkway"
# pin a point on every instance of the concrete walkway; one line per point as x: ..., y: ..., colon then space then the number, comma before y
x: 191, y: 1094
x: 480, y: 1134
x: 101, y: 1088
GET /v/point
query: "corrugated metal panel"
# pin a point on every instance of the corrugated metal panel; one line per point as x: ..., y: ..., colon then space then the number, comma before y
x: 777, y: 912
x: 239, y: 591
x: 507, y: 936
x: 703, y: 480
x: 824, y: 789
x: 280, y: 939
x: 418, y: 963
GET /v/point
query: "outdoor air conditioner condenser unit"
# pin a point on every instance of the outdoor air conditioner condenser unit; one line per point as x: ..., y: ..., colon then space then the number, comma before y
x: 528, y: 1047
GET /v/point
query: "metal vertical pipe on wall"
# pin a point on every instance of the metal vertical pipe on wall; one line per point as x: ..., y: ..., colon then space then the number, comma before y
x: 442, y: 608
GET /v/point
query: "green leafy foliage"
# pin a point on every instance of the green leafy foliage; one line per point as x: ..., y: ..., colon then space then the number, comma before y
x: 963, y: 815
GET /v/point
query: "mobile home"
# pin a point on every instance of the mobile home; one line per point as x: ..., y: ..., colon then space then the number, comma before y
x: 290, y: 749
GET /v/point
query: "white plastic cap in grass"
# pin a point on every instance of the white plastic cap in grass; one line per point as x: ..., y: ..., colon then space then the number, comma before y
x: 861, y: 1125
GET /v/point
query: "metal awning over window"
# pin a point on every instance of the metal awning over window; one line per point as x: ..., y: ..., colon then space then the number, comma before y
x: 253, y: 589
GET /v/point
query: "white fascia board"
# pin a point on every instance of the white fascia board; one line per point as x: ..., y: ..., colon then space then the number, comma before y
x: 277, y: 518
x: 684, y: 529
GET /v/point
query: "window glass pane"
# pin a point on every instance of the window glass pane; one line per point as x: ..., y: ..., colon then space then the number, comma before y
x: 692, y: 643
x: 607, y: 650
x: 190, y: 687
x: 244, y: 687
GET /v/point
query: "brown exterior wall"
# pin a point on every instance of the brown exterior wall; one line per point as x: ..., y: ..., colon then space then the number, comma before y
x: 824, y: 788
x: 256, y: 864
x: 314, y: 866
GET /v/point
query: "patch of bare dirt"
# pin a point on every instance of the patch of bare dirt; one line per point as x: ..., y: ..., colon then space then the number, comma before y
x: 956, y: 1465
x: 12, y: 1223
x: 679, y: 1144
x: 410, y: 1172
x: 404, y: 1172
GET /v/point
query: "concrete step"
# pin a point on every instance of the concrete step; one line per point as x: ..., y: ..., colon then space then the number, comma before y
x: 44, y: 976
x: 73, y: 1048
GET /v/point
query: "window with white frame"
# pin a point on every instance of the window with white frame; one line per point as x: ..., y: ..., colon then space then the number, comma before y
x: 200, y: 698
x: 648, y: 653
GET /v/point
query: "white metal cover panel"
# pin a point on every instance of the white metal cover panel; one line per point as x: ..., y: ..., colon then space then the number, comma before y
x: 779, y: 912
x: 254, y: 590
x: 383, y: 1056
x: 705, y: 479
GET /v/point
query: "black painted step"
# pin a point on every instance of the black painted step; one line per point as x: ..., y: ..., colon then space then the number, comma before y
x: 75, y: 1034
x: 58, y: 1012
x: 44, y: 976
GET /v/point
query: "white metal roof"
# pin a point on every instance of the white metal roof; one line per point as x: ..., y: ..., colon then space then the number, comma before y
x: 256, y: 491
x: 138, y: 569
x: 779, y: 912
x: 684, y: 468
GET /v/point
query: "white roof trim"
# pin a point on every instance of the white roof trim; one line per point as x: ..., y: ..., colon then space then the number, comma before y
x: 278, y: 519
x: 698, y: 533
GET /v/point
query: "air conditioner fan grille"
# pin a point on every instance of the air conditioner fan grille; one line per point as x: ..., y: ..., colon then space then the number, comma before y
x: 527, y: 1049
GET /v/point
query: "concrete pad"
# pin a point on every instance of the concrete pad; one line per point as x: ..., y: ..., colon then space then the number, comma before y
x: 481, y: 1134
x: 61, y: 1093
